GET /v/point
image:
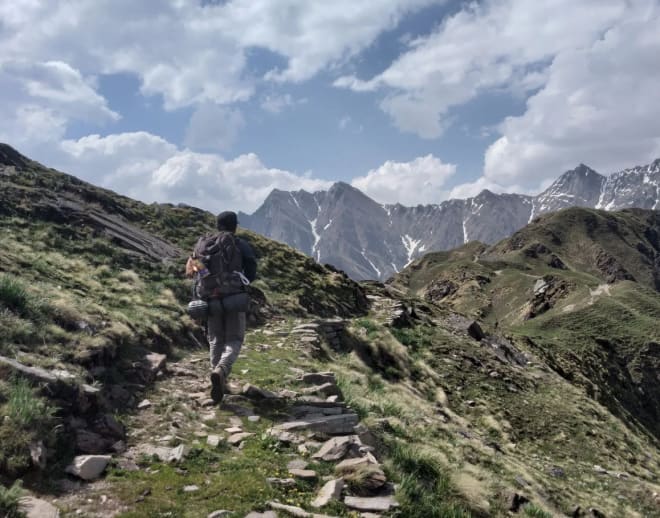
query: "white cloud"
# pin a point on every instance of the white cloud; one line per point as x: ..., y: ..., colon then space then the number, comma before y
x: 277, y: 103
x: 39, y: 100
x: 214, y: 127
x: 496, y: 44
x: 149, y: 168
x: 419, y: 181
x: 599, y: 107
x: 192, y: 53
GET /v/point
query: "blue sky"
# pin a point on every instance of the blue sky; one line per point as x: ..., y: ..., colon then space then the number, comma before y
x: 412, y: 101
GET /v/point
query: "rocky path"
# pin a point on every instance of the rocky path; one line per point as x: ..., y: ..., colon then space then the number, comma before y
x: 327, y: 457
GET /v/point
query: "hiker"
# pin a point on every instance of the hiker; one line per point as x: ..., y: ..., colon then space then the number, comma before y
x: 222, y: 266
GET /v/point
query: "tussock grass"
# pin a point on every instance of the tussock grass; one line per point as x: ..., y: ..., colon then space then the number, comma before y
x: 10, y: 500
x: 534, y: 511
x: 425, y: 489
x: 23, y: 407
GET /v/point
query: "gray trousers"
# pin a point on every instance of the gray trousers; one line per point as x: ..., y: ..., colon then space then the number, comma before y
x: 226, y: 332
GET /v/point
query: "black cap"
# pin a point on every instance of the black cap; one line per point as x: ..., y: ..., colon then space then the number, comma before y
x: 227, y: 221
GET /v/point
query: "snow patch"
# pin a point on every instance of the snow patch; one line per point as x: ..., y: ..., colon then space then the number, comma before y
x: 370, y: 263
x: 315, y: 253
x: 465, y: 234
x: 328, y: 225
x: 411, y: 245
x: 295, y: 200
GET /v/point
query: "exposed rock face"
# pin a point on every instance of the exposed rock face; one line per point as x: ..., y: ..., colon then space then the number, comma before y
x: 368, y: 240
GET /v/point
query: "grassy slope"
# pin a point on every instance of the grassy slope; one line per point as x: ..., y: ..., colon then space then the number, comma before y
x: 454, y: 435
x: 73, y: 299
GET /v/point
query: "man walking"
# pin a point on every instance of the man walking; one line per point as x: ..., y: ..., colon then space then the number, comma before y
x: 231, y: 264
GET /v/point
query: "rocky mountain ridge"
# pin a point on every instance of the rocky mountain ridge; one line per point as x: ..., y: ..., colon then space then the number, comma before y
x: 368, y: 240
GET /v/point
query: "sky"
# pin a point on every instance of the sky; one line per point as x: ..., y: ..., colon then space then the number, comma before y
x: 214, y: 103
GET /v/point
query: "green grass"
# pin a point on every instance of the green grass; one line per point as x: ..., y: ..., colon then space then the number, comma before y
x: 10, y: 499
x: 23, y: 408
x: 28, y: 418
x: 425, y: 489
x: 534, y: 511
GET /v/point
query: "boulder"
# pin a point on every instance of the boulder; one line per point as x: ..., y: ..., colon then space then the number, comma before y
x: 318, y: 378
x: 475, y: 331
x: 324, y: 390
x: 178, y: 454
x: 88, y: 467
x: 304, y: 474
x: 267, y: 514
x: 238, y: 438
x: 256, y: 393
x: 336, y: 448
x: 331, y: 425
x: 38, y: 454
x: 330, y: 491
x: 37, y: 508
x: 374, y: 503
x: 213, y: 441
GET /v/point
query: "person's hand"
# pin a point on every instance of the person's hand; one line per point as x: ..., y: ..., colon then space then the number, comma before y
x: 190, y: 267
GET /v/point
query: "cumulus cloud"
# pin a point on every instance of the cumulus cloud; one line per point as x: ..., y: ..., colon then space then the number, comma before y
x: 149, y: 168
x: 410, y: 183
x: 39, y: 99
x: 589, y: 69
x: 192, y: 52
x: 214, y: 127
x: 599, y: 107
x: 494, y: 44
x: 277, y: 103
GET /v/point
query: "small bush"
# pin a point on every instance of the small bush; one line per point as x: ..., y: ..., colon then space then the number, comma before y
x: 10, y: 499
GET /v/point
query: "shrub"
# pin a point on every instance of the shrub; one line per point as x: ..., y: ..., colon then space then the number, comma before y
x: 10, y: 499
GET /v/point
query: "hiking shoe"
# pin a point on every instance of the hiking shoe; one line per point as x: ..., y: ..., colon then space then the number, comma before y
x: 217, y: 385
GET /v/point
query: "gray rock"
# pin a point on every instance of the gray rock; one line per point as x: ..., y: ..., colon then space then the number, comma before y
x: 375, y: 503
x: 178, y: 454
x: 38, y: 454
x: 325, y: 390
x: 297, y: 464
x: 252, y: 392
x: 145, y: 403
x: 37, y: 508
x: 331, y: 425
x: 154, y: 363
x: 219, y: 514
x: 267, y: 514
x: 318, y: 378
x: 238, y: 438
x: 213, y: 441
x: 283, y: 482
x: 305, y: 474
x: 297, y: 512
x: 330, y: 491
x: 190, y: 489
x: 88, y: 467
x: 335, y: 448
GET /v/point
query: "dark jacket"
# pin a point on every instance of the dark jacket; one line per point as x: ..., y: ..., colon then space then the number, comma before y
x: 249, y: 259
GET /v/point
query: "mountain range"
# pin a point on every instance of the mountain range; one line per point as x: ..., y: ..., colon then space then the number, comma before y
x: 368, y: 240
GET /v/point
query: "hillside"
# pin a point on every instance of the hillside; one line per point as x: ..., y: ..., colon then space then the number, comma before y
x: 456, y: 418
